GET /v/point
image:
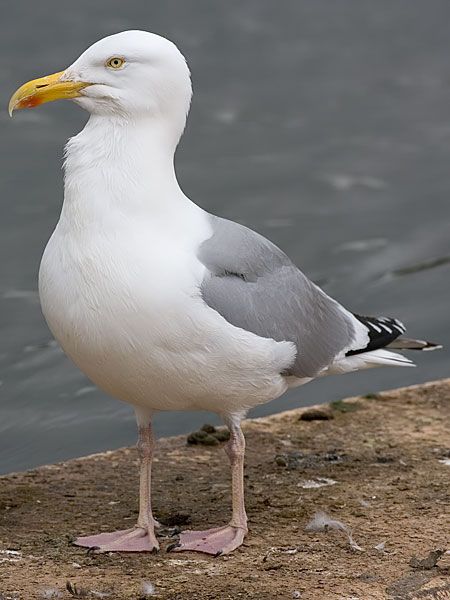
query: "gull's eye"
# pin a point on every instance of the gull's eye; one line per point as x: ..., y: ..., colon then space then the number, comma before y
x: 115, y: 62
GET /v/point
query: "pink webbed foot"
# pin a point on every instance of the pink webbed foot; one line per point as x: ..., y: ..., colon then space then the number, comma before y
x: 217, y: 541
x: 137, y: 539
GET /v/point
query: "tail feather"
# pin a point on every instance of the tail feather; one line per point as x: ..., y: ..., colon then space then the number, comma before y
x: 367, y: 360
x: 384, y: 334
x: 402, y: 343
x: 381, y: 357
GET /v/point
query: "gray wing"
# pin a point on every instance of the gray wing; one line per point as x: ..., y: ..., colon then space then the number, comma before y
x: 255, y: 286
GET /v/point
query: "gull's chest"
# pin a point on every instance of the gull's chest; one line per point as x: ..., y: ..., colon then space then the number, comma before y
x: 102, y: 291
x: 127, y: 309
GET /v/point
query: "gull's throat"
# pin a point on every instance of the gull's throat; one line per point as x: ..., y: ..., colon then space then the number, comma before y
x: 120, y: 164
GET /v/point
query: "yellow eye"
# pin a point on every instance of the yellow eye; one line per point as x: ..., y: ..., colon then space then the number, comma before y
x: 115, y: 62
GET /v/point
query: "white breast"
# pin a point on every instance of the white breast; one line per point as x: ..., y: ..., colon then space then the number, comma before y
x: 124, y: 304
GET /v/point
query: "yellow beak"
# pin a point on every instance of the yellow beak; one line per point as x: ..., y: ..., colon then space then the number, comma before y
x: 45, y: 89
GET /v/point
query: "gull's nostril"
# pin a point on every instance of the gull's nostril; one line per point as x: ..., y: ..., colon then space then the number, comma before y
x: 41, y: 85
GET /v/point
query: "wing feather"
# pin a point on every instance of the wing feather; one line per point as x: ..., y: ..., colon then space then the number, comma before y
x: 255, y: 286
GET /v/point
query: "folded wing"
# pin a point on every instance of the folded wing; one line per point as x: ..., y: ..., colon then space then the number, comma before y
x: 255, y: 286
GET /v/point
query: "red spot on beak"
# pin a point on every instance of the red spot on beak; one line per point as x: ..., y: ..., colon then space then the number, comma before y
x: 30, y: 102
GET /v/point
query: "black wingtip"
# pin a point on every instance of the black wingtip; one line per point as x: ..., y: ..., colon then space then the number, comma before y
x: 409, y: 344
x: 382, y: 331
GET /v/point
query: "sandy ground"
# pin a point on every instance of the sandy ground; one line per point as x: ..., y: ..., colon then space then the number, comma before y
x: 385, y: 463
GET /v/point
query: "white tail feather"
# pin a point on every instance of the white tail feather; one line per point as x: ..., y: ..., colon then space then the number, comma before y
x: 367, y: 360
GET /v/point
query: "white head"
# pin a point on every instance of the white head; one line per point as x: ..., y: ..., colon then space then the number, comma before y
x: 130, y: 75
x: 133, y: 73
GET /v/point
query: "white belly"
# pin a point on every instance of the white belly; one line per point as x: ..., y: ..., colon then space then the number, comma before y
x: 127, y: 310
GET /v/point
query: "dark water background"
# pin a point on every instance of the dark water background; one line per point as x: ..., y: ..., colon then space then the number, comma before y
x: 324, y: 125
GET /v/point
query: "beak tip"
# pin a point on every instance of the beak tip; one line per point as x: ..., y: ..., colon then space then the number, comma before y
x: 13, y: 105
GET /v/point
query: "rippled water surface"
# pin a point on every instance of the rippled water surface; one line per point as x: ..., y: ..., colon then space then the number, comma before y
x: 323, y: 125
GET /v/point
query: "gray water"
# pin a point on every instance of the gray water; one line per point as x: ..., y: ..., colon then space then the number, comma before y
x: 324, y: 125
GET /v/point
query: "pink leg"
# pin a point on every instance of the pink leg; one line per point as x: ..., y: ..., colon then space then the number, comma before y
x: 140, y: 538
x: 223, y: 540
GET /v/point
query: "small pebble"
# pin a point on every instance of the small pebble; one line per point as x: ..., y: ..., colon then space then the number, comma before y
x: 426, y: 563
x: 176, y: 519
x: 316, y: 414
x: 208, y: 428
x: 281, y: 461
x: 208, y: 435
x: 201, y: 437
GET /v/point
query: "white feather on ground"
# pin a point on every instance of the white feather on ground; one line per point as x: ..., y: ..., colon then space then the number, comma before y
x: 323, y: 522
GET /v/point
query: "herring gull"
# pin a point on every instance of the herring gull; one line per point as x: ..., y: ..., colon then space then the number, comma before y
x: 163, y: 305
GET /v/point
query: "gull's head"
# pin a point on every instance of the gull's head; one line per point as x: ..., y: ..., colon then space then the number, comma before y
x: 129, y: 74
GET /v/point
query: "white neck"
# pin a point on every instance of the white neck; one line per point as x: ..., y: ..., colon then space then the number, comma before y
x: 115, y: 164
